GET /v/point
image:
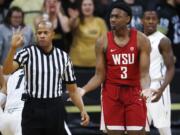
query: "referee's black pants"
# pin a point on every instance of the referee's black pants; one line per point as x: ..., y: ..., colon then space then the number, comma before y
x: 43, y: 117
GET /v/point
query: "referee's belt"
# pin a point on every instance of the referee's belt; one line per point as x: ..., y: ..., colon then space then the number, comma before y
x: 27, y: 97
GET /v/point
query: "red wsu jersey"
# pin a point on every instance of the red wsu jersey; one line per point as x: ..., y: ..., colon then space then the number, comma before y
x: 122, y: 67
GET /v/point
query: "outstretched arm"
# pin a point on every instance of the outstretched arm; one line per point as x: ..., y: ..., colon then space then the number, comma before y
x: 63, y: 19
x: 145, y: 49
x: 99, y: 75
x: 77, y: 100
x: 74, y: 18
x: 168, y: 57
x: 2, y: 81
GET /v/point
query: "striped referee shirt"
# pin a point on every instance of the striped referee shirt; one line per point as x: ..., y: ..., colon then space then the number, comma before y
x: 45, y: 72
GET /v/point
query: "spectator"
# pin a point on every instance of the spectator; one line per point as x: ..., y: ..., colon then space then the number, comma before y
x: 169, y: 24
x: 86, y: 29
x: 137, y: 7
x: 31, y: 9
x: 53, y: 11
x: 66, y: 4
x: 14, y: 21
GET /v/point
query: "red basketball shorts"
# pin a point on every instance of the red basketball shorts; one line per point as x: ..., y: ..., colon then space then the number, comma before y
x: 123, y: 108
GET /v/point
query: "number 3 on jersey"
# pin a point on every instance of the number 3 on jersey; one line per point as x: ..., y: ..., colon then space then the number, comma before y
x: 123, y: 72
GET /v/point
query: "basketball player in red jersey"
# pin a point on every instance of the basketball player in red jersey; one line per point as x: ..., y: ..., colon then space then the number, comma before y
x: 122, y: 66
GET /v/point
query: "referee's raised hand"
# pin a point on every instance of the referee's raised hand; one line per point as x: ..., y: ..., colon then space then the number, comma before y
x: 17, y: 39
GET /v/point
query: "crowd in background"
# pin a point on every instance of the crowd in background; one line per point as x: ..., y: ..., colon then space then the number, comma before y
x: 79, y: 23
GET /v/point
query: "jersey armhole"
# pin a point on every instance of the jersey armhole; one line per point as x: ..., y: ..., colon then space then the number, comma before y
x: 105, y: 46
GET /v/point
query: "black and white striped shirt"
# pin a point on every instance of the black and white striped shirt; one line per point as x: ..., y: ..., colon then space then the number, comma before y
x: 45, y: 72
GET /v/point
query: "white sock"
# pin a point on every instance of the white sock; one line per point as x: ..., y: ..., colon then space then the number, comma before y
x: 165, y: 131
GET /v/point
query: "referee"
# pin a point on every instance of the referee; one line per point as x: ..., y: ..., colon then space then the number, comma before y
x: 45, y: 68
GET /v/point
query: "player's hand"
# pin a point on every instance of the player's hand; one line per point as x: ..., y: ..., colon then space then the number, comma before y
x: 73, y: 13
x: 156, y: 95
x: 147, y: 94
x: 84, y: 118
x: 17, y: 39
x: 151, y: 95
x: 58, y: 7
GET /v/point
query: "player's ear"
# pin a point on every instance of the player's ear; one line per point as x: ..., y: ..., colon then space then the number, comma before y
x: 128, y: 19
x: 142, y: 20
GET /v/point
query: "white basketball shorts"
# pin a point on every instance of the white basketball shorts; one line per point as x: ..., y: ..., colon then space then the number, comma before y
x: 10, y: 122
x: 160, y: 112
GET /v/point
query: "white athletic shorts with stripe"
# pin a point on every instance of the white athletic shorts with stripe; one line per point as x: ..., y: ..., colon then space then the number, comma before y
x: 159, y: 113
x: 102, y: 123
x: 10, y: 122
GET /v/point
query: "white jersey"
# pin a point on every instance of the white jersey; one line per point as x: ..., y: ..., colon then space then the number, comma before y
x: 10, y: 120
x: 159, y: 113
x: 15, y: 88
x: 157, y: 67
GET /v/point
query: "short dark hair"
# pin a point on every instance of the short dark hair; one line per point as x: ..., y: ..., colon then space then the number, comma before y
x: 149, y: 8
x: 123, y: 6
